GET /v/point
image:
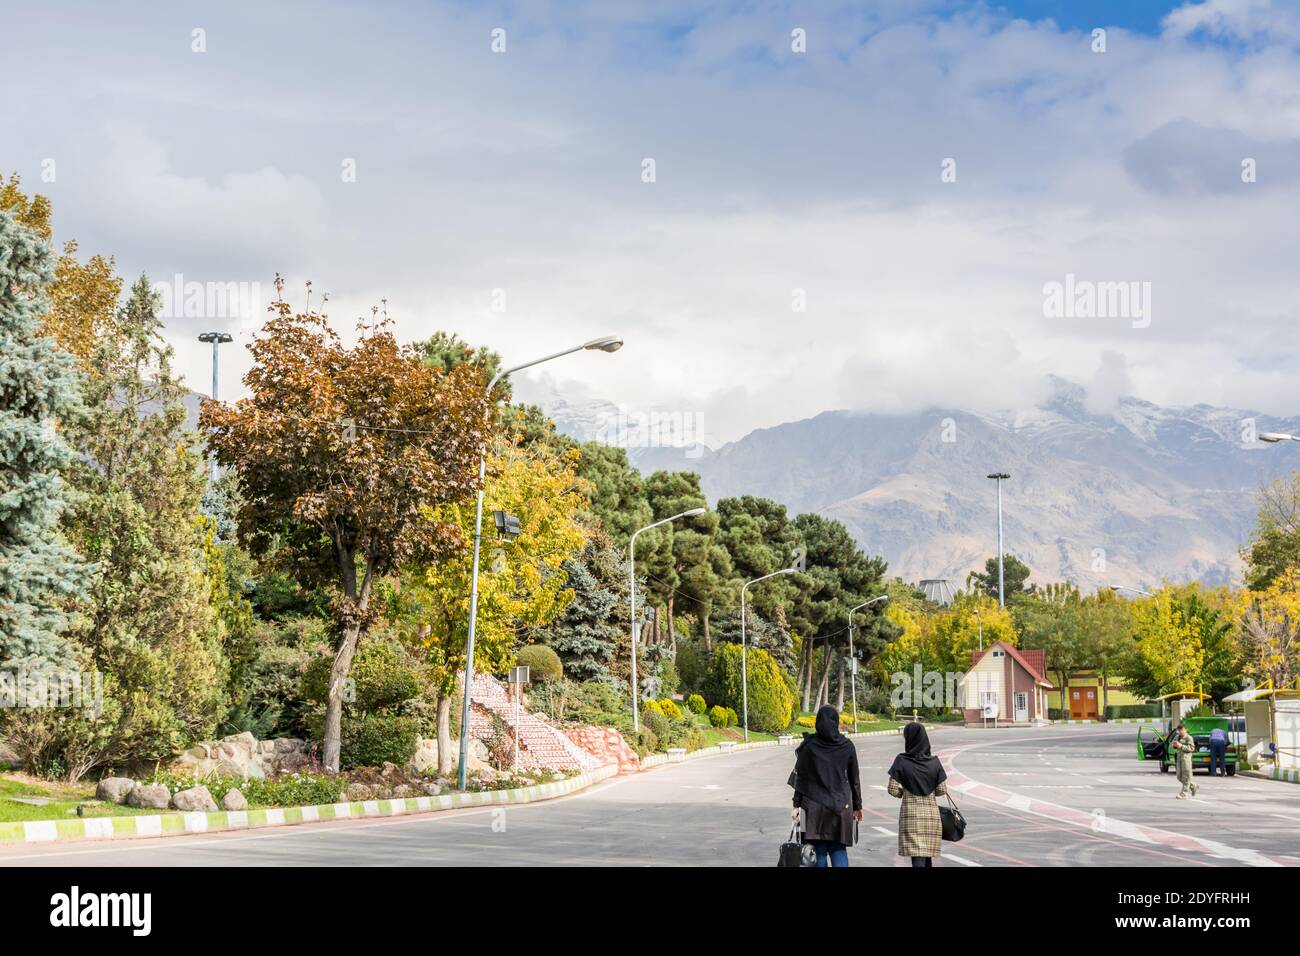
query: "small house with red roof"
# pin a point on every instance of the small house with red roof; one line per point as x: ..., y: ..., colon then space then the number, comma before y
x: 1006, y: 684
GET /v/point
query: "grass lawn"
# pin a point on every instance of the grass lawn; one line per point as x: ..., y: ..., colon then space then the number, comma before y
x: 62, y: 800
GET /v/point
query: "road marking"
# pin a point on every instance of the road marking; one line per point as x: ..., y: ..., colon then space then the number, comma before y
x: 876, y: 786
x: 1143, y: 790
x: 960, y: 859
x: 885, y: 831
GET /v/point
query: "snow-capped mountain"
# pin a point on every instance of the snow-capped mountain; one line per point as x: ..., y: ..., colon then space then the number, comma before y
x: 1133, y: 496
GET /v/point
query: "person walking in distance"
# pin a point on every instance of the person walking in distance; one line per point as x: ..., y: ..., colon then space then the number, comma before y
x: 828, y: 789
x: 1218, y: 752
x: 917, y: 777
x: 1184, y: 745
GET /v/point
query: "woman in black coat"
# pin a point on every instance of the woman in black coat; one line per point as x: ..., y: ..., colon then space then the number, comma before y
x: 828, y: 789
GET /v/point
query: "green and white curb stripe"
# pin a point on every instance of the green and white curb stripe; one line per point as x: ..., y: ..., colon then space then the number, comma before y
x: 171, y: 824
x: 1287, y: 776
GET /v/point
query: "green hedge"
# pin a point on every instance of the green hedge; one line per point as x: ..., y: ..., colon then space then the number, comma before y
x: 1132, y: 710
x: 372, y: 740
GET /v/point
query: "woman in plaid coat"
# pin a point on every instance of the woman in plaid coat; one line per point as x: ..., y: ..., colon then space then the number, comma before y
x: 917, y: 777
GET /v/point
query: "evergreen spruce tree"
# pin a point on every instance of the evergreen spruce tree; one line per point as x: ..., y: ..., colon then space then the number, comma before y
x: 591, y: 636
x: 39, y: 574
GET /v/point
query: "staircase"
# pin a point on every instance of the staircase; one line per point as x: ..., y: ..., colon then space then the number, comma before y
x: 541, y: 746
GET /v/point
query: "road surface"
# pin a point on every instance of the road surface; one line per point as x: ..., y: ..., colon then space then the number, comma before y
x: 1054, y: 796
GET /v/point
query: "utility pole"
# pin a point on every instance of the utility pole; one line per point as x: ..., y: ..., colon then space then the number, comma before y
x: 998, y: 477
x: 217, y: 339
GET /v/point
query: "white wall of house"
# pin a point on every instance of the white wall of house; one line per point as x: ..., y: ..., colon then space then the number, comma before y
x: 988, y: 677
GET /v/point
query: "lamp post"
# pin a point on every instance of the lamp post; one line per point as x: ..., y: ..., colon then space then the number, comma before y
x: 608, y: 343
x: 979, y: 619
x: 1274, y: 437
x: 631, y: 601
x: 998, y: 477
x: 217, y: 339
x: 744, y: 650
x: 853, y: 661
x: 1119, y: 587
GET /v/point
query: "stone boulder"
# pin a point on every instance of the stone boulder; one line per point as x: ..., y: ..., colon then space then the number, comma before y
x: 150, y: 796
x: 234, y: 800
x: 114, y: 789
x: 244, y: 756
x: 8, y: 754
x: 194, y: 799
x: 357, y: 793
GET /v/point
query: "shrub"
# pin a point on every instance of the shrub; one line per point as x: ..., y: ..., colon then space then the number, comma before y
x: 670, y: 708
x: 669, y: 680
x: 733, y: 718
x: 645, y: 742
x: 1132, y: 710
x: 372, y: 740
x: 718, y: 716
x: 695, y: 703
x: 382, y: 678
x: 692, y: 664
x: 807, y: 721
x: 594, y: 702
x: 656, y: 722
x: 771, y: 704
x: 648, y: 706
x: 543, y: 663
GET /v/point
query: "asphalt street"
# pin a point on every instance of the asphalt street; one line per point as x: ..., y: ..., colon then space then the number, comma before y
x: 1055, y: 796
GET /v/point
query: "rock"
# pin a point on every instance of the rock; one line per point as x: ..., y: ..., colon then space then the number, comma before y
x: 234, y: 800
x: 231, y: 768
x: 432, y: 790
x: 8, y: 755
x: 357, y: 793
x: 266, y: 747
x: 557, y: 776
x: 199, y: 752
x: 245, y: 741
x: 195, y: 798
x: 390, y: 769
x: 381, y: 793
x: 293, y: 762
x: 402, y: 791
x: 150, y: 796
x: 114, y: 789
x: 288, y: 745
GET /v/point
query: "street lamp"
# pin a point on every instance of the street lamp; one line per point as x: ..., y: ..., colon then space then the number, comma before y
x: 608, y: 343
x: 216, y: 338
x: 1120, y: 587
x: 1274, y: 437
x: 979, y: 619
x: 744, y: 653
x: 999, y: 477
x: 631, y: 591
x: 853, y: 661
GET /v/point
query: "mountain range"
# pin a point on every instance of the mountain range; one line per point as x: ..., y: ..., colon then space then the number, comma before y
x: 1137, y: 495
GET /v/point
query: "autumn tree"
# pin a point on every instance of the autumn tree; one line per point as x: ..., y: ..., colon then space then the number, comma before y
x: 343, y: 454
x: 1270, y: 628
x: 83, y: 296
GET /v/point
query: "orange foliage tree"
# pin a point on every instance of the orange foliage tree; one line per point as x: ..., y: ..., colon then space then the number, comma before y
x: 341, y: 453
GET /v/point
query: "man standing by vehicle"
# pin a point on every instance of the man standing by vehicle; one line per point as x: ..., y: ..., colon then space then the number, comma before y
x: 1218, y: 752
x: 1183, y: 746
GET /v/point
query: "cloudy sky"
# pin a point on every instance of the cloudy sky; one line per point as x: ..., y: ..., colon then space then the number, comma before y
x: 914, y: 179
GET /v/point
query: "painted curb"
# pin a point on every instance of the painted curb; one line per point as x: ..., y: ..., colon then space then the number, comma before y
x: 174, y: 824
x: 1116, y: 720
x: 1285, y: 776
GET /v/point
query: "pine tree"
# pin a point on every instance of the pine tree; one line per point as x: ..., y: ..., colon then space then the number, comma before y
x: 38, y: 390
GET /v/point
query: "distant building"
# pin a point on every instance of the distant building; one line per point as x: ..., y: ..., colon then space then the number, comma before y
x: 1006, y: 684
x: 938, y: 590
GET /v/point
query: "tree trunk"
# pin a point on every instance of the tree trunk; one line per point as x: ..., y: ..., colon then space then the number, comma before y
x: 839, y: 687
x: 334, y: 702
x: 672, y: 633
x: 1105, y: 696
x: 708, y: 641
x: 1065, y: 711
x: 444, y: 735
x: 806, y: 684
x: 824, y: 683
x: 803, y: 656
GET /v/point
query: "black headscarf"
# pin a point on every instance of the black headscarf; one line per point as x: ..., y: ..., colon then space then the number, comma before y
x: 915, y: 768
x: 822, y: 762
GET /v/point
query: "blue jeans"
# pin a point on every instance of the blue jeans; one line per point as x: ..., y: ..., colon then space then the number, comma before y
x: 1218, y: 765
x: 830, y: 854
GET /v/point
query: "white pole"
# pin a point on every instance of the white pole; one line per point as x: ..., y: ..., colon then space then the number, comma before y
x: 744, y: 673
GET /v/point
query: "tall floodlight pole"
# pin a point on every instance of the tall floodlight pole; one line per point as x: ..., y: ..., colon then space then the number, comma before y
x: 744, y: 650
x: 853, y: 661
x: 608, y: 343
x: 999, y: 477
x: 631, y: 603
x: 217, y: 339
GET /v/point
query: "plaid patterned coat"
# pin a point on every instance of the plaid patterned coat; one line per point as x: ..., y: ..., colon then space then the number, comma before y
x: 919, y: 831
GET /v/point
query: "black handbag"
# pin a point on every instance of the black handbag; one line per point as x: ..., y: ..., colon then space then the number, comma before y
x: 792, y: 850
x: 952, y: 821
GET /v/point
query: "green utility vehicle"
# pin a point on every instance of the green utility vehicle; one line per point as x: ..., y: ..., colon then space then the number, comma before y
x: 1153, y: 743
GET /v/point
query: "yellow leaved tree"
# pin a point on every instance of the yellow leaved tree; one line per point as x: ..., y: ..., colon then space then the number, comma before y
x: 521, y: 582
x: 84, y: 295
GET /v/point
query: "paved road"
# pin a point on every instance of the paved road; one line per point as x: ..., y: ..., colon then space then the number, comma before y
x: 1059, y: 796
